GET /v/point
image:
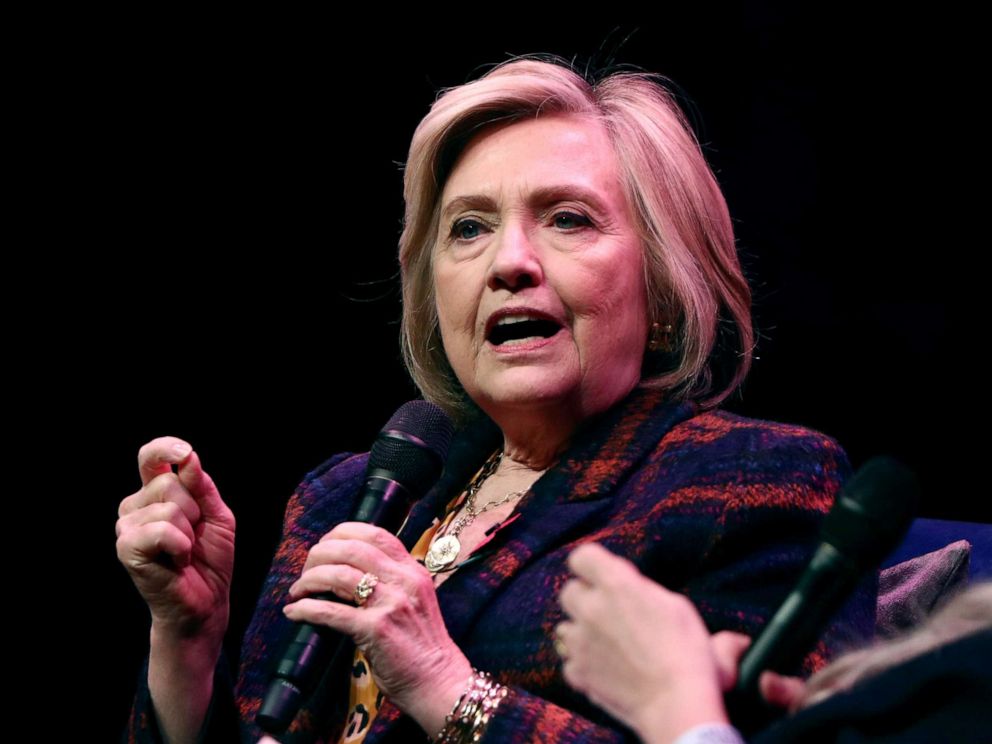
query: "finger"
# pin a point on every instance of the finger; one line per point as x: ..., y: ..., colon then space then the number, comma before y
x: 163, y: 488
x: 373, y: 535
x: 159, y: 512
x: 159, y: 455
x: 577, y: 667
x: 728, y: 647
x: 573, y: 597
x: 570, y: 670
x: 342, y: 617
x: 563, y: 631
x: 597, y: 565
x: 355, y: 553
x: 145, y: 544
x: 781, y: 691
x: 201, y: 487
x: 336, y: 578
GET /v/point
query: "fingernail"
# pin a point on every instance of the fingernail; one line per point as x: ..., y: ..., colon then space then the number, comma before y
x: 182, y: 449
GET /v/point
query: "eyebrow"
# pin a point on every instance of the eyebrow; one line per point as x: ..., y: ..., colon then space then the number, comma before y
x: 539, y: 197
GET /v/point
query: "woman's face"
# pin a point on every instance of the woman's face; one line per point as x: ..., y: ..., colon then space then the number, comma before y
x: 538, y: 270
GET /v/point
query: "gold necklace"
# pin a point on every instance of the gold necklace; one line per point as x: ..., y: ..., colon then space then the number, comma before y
x: 445, y: 549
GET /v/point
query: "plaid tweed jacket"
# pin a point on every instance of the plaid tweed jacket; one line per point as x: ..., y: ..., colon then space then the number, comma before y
x: 722, y: 508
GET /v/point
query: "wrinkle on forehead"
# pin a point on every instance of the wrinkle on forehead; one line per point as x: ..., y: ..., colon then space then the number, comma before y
x: 582, y: 144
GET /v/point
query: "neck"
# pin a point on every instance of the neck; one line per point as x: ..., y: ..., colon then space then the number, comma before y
x: 535, y: 437
x: 535, y: 442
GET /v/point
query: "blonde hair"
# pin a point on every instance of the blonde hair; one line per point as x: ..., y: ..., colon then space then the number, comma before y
x: 967, y: 613
x: 692, y: 274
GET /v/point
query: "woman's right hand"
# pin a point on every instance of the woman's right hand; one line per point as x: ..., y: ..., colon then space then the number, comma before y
x: 175, y: 537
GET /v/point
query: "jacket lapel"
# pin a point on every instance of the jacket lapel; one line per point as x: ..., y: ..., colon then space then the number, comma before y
x: 469, y: 449
x: 565, y: 501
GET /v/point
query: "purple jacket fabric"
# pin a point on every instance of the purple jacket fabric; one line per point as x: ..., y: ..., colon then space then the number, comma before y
x: 722, y: 508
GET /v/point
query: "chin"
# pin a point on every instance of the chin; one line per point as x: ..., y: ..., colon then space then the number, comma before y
x: 527, y: 388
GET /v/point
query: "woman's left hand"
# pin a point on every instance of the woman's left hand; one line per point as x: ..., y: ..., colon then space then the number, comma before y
x: 399, y: 628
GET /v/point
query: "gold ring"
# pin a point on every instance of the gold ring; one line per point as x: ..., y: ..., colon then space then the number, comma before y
x: 560, y: 648
x: 364, y: 588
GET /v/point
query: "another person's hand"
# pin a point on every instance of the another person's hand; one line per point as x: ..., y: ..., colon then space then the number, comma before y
x: 175, y: 537
x: 643, y: 653
x: 399, y: 628
x: 640, y: 651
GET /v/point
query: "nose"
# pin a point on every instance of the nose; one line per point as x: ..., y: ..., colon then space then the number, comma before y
x: 515, y: 264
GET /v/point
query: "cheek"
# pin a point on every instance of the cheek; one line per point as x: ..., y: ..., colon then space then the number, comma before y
x: 630, y: 297
x: 444, y: 299
x: 611, y: 294
x: 454, y: 302
x: 612, y: 315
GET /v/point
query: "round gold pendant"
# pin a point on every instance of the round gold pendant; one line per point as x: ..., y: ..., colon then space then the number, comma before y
x: 442, y: 553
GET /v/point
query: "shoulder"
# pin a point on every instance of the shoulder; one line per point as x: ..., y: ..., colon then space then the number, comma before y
x: 719, y: 428
x: 721, y: 436
x: 325, y: 491
x: 338, y: 470
x: 938, y: 696
x: 722, y: 457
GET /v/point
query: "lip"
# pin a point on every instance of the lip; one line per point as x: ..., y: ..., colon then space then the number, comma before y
x: 521, y: 348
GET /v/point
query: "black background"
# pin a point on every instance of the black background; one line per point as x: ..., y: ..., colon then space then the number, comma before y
x: 233, y: 192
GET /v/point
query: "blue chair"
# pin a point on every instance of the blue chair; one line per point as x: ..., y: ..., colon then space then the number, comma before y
x: 927, y: 535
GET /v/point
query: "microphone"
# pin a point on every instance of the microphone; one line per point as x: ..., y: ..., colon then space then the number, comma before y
x: 406, y: 460
x: 867, y: 521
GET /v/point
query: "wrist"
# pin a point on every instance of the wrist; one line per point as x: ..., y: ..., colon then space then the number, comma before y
x: 190, y: 631
x: 196, y: 654
x: 432, y: 701
x: 663, y: 721
x: 181, y: 682
x: 472, y: 711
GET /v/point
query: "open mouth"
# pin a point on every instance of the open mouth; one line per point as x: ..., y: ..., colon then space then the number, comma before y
x: 518, y: 329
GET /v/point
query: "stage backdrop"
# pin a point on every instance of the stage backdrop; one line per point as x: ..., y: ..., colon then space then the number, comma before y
x: 239, y: 184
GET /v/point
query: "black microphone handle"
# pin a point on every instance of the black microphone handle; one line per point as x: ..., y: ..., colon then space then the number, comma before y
x: 384, y: 502
x: 826, y: 583
x: 313, y: 649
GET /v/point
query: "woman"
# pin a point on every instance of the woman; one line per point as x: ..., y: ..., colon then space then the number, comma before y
x: 572, y: 296
x: 644, y: 654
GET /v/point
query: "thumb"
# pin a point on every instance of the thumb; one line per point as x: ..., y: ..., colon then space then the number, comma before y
x: 781, y: 691
x: 598, y: 566
x: 201, y: 487
x: 728, y: 648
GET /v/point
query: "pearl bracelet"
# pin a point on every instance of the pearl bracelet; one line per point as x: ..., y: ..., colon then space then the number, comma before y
x: 471, y: 712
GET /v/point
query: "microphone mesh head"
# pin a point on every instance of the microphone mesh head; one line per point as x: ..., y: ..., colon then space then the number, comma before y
x: 413, y: 446
x: 424, y: 421
x: 873, y: 511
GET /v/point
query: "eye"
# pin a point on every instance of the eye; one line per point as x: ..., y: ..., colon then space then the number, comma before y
x: 466, y: 229
x: 570, y: 220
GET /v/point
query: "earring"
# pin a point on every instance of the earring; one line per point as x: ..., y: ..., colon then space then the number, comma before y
x: 660, y: 337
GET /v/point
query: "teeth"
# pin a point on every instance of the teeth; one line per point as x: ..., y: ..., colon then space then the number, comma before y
x: 508, y: 319
x: 519, y: 341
